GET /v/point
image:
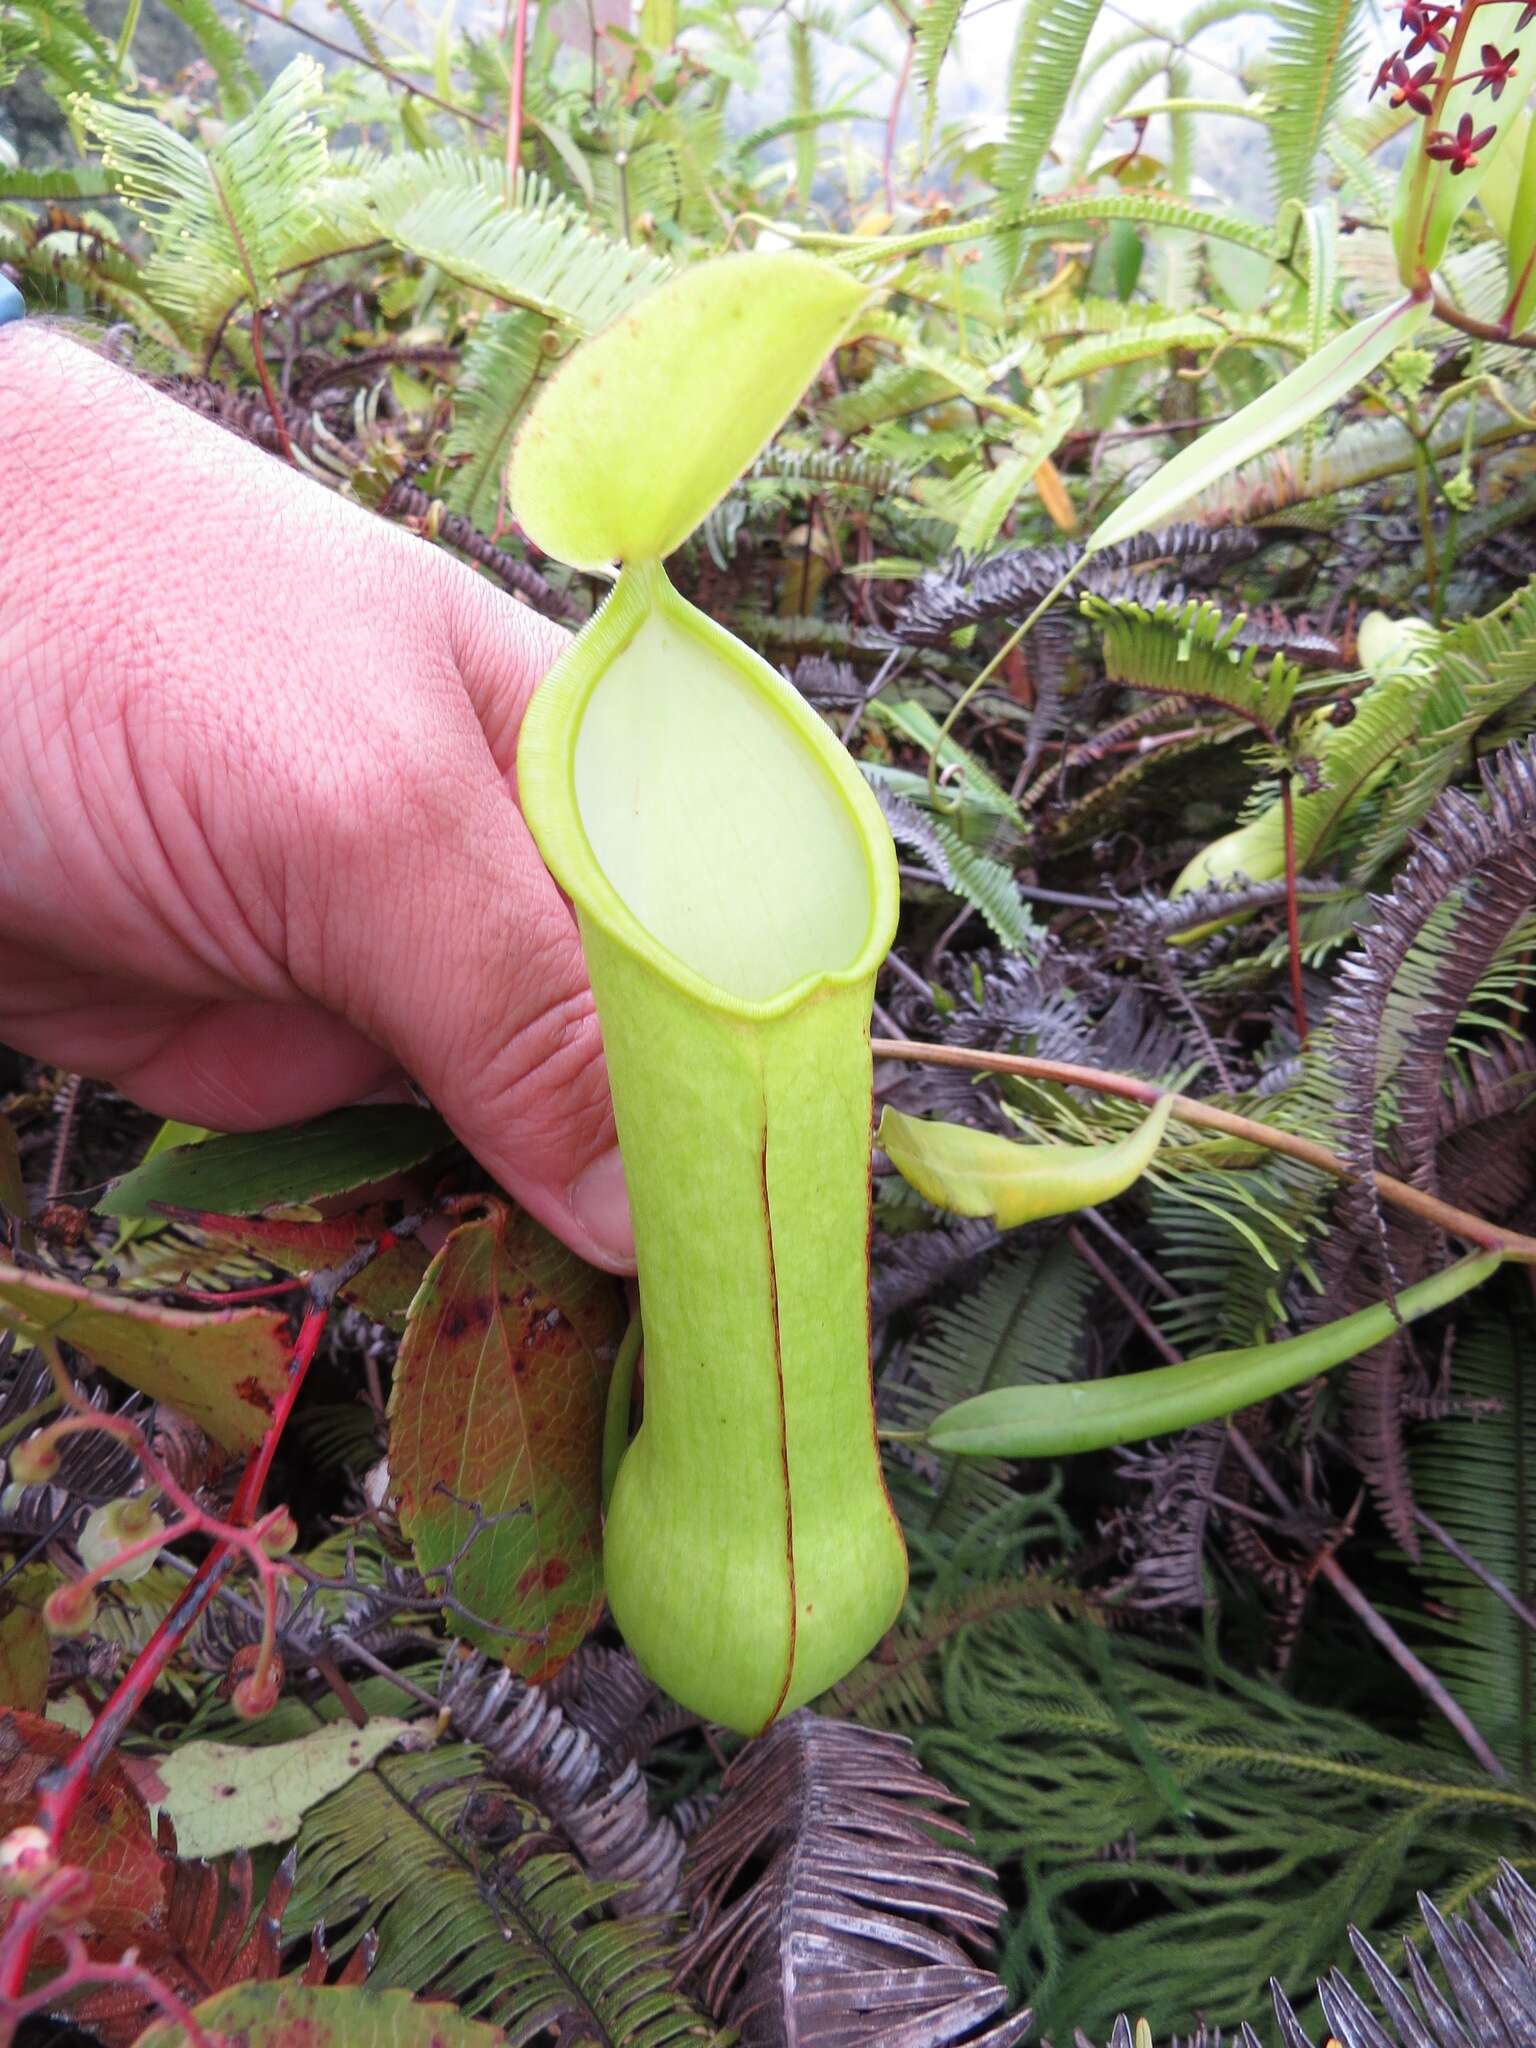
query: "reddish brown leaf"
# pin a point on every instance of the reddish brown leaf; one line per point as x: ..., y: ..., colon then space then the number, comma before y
x: 497, y: 1411
x: 383, y: 1290
x: 109, y: 1836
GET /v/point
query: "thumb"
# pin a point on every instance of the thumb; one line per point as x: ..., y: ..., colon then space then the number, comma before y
x: 455, y: 950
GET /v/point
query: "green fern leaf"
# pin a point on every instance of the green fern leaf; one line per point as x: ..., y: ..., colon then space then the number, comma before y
x: 1189, y: 650
x: 521, y: 242
x: 1024, y: 1323
x: 1313, y: 59
x: 224, y: 48
x: 936, y: 27
x: 499, y: 369
x: 229, y: 218
x: 1048, y: 48
x: 521, y: 1944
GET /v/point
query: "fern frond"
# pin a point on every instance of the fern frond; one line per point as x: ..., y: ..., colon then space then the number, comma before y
x: 1483, y: 671
x: 1313, y: 59
x: 936, y: 26
x: 518, y: 1941
x: 1048, y: 48
x: 498, y: 370
x: 1192, y: 650
x: 228, y: 218
x: 1473, y: 1473
x: 224, y: 48
x: 517, y: 239
x: 864, y: 1890
x: 1025, y: 1321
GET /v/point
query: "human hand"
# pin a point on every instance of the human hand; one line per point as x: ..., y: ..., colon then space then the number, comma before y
x: 259, y: 848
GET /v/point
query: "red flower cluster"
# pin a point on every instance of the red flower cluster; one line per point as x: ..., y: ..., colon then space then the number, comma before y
x: 1429, y: 26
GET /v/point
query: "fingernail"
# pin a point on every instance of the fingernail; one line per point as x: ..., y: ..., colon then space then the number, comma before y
x: 600, y: 1203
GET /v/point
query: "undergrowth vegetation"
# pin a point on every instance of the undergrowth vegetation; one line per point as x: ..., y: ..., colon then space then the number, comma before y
x: 1247, y: 811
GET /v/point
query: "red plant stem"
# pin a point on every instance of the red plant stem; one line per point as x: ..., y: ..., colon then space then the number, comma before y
x: 283, y: 442
x: 892, y: 122
x: 1292, y: 913
x: 515, y: 94
x: 254, y: 1478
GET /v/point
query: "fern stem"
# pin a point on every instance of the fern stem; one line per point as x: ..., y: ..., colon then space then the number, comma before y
x: 285, y: 446
x: 1206, y: 1116
x: 985, y: 676
x: 1292, y: 910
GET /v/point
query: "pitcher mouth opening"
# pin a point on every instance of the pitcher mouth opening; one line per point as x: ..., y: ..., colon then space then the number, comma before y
x: 706, y: 818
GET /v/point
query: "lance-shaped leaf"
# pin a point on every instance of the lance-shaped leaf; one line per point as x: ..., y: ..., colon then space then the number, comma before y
x: 250, y: 1171
x: 977, y: 1173
x: 292, y: 2015
x: 1320, y: 382
x: 223, y: 1371
x: 1520, y: 235
x: 496, y: 1436
x: 646, y: 428
x: 1058, y: 1421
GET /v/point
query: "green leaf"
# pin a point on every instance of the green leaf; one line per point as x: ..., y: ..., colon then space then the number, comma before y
x: 225, y: 1372
x: 1314, y: 54
x: 250, y: 1171
x: 228, y: 217
x: 26, y: 1653
x: 977, y: 1173
x: 936, y: 26
x: 521, y: 1938
x: 496, y: 1435
x: 1048, y: 48
x: 516, y: 239
x: 1057, y: 1422
x: 1190, y: 650
x: 1319, y: 383
x: 224, y: 1795
x: 648, y: 426
x: 497, y: 374
x: 283, y: 2015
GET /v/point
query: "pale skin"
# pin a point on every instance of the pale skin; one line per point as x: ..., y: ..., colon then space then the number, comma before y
x: 260, y: 852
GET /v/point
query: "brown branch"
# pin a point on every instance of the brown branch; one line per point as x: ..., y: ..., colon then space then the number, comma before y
x: 1480, y: 330
x: 1206, y: 1116
x: 399, y: 78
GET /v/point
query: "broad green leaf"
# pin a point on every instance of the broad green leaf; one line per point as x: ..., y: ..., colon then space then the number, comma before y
x: 292, y: 2015
x: 168, y: 1138
x: 1059, y: 1421
x: 255, y: 1170
x: 976, y: 1173
x: 646, y: 428
x: 1319, y: 383
x: 225, y: 1795
x: 224, y: 1371
x: 496, y: 1410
